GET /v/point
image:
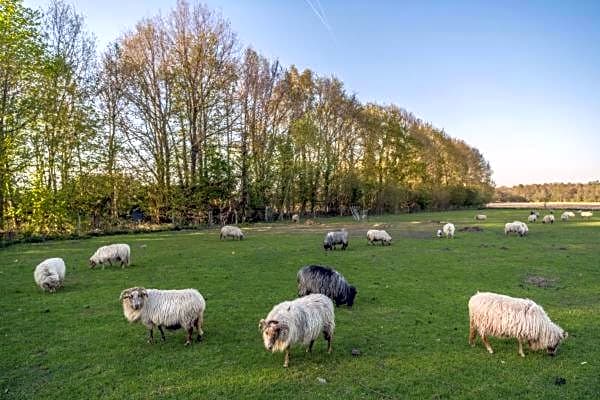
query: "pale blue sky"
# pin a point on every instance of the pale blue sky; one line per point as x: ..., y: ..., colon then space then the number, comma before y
x: 518, y: 80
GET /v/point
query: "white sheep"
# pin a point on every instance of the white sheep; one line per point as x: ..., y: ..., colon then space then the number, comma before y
x: 50, y: 274
x: 375, y: 235
x: 548, y: 219
x: 172, y: 309
x: 492, y: 314
x: 296, y: 218
x: 586, y: 214
x: 517, y: 227
x: 447, y: 230
x: 298, y: 321
x: 570, y: 214
x: 334, y: 238
x: 480, y: 217
x: 114, y: 252
x: 232, y: 232
x: 532, y: 218
x: 564, y: 216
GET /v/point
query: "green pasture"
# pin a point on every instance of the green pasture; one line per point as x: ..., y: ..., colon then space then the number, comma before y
x: 409, y: 321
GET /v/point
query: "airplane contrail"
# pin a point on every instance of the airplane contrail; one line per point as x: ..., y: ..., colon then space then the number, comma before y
x: 322, y: 18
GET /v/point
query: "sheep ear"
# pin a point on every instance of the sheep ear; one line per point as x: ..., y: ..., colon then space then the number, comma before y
x: 123, y: 294
x: 565, y: 335
x: 261, y: 325
x: 143, y: 292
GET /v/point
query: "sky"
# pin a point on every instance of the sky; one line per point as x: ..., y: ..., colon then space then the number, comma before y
x: 519, y: 80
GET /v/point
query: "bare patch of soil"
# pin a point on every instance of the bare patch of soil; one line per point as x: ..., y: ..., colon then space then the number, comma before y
x: 471, y: 229
x: 541, y: 281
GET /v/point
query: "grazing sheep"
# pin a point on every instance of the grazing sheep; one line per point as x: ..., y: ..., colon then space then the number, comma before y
x: 327, y: 281
x: 570, y: 214
x: 108, y: 254
x: 517, y: 227
x: 480, y: 217
x: 298, y: 321
x: 296, y: 218
x: 548, y: 219
x: 532, y: 218
x: 447, y: 230
x: 564, y: 216
x: 586, y: 214
x: 492, y: 314
x: 334, y: 238
x: 232, y: 232
x: 50, y: 274
x: 172, y: 309
x: 374, y: 235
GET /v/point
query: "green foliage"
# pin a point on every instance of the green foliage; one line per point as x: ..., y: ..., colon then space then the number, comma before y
x: 409, y: 320
x: 570, y: 192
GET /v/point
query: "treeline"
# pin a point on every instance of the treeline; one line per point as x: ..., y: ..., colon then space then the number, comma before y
x: 176, y: 122
x: 580, y: 192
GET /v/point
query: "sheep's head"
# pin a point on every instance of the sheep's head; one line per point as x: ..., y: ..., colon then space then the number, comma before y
x: 351, y: 295
x: 439, y: 233
x: 272, y: 331
x: 92, y: 263
x: 327, y: 245
x: 135, y: 297
x: 553, y: 347
x: 51, y: 282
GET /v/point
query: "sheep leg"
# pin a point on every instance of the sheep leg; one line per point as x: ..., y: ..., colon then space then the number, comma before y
x: 190, y: 330
x: 162, y: 333
x: 472, y: 333
x: 151, y: 336
x: 521, y: 348
x: 487, y: 344
x: 329, y: 337
x: 199, y: 329
x: 310, y: 346
x: 286, y: 360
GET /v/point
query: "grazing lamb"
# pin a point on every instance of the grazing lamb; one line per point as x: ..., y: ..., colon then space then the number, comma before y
x: 586, y: 214
x: 232, y: 232
x: 327, y: 281
x: 492, y: 314
x: 447, y: 230
x: 532, y: 218
x: 298, y: 321
x: 517, y: 227
x: 296, y: 218
x: 374, y: 235
x: 548, y: 219
x: 570, y: 214
x: 480, y: 217
x: 334, y: 238
x: 564, y: 216
x: 172, y: 309
x: 50, y: 274
x: 110, y: 253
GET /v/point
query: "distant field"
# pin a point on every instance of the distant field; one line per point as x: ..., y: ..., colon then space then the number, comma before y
x: 409, y: 321
x: 541, y: 205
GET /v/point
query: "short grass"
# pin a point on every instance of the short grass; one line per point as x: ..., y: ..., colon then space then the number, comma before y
x: 409, y: 321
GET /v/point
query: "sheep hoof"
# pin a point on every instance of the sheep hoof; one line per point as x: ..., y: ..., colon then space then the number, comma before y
x: 187, y: 343
x: 285, y: 365
x: 490, y: 351
x: 199, y: 338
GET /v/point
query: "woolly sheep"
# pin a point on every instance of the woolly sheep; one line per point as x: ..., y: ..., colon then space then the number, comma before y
x: 570, y: 214
x: 548, y: 219
x: 564, y: 216
x: 374, y: 235
x: 325, y: 280
x: 586, y: 214
x: 50, y: 274
x: 108, y: 254
x: 296, y: 218
x: 447, y: 230
x: 172, y: 309
x: 536, y: 213
x: 532, y: 218
x: 480, y: 217
x: 298, y: 321
x: 334, y: 238
x: 232, y: 232
x: 492, y: 314
x: 517, y: 227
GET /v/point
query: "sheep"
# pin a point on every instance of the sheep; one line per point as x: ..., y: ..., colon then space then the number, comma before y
x: 172, y: 309
x: 325, y: 280
x: 447, y: 230
x: 570, y: 214
x: 532, y: 218
x: 480, y: 217
x: 374, y: 235
x: 334, y: 238
x: 586, y: 214
x: 536, y: 213
x: 548, y: 219
x: 296, y: 218
x: 298, y: 321
x: 564, y: 216
x: 517, y: 227
x: 231, y: 231
x: 492, y: 314
x: 50, y: 274
x: 108, y: 254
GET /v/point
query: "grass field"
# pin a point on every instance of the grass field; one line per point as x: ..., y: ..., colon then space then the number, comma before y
x: 409, y: 320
